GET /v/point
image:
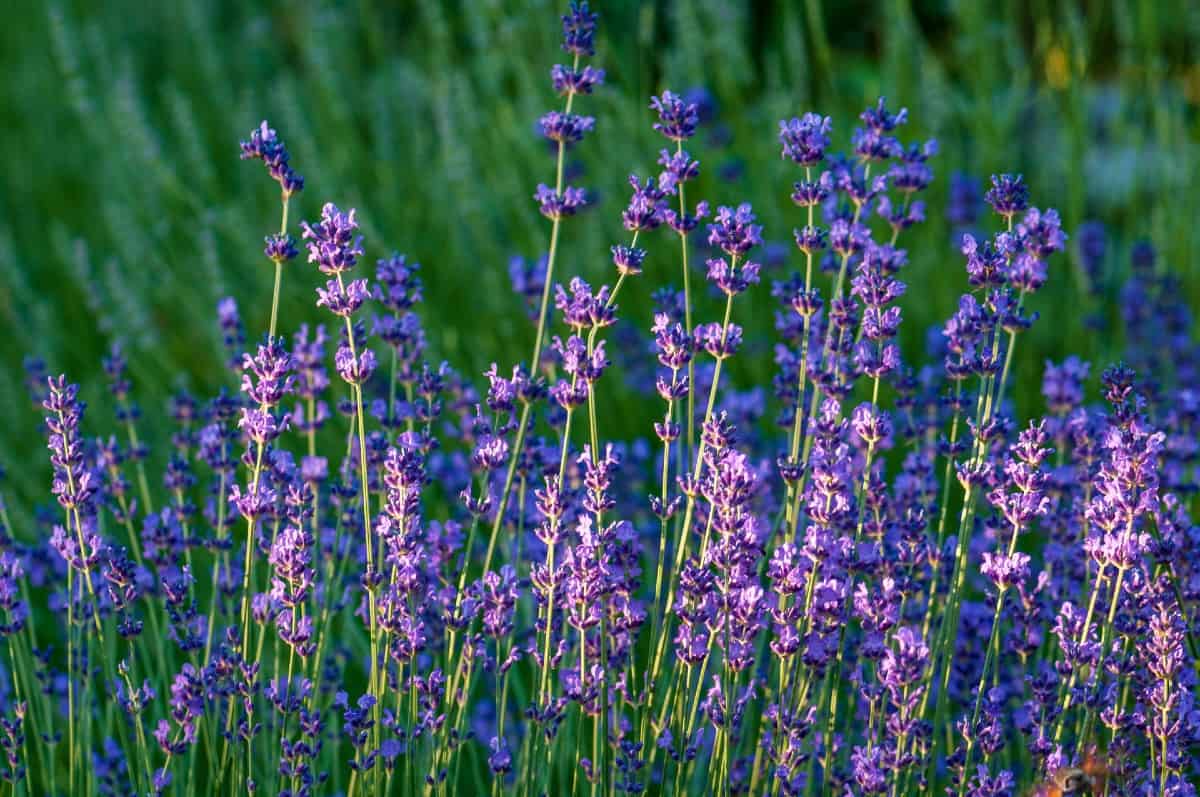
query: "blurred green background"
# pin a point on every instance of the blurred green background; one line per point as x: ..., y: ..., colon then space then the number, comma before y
x: 125, y: 212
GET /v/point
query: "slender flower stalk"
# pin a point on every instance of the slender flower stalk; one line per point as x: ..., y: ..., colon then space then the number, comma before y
x: 677, y: 121
x: 264, y: 144
x: 563, y: 201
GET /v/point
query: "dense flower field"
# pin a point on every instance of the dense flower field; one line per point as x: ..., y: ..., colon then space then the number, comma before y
x: 389, y: 576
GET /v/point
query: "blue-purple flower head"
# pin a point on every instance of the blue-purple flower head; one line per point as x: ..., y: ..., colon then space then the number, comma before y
x: 1006, y: 571
x: 671, y: 342
x: 566, y: 128
x: 343, y: 298
x: 986, y: 266
x: 554, y: 205
x: 280, y: 247
x: 733, y: 231
x: 805, y: 139
x: 579, y: 30
x: 732, y: 278
x: 332, y: 244
x: 677, y: 118
x: 1041, y: 232
x: 721, y: 342
x: 581, y: 309
x: 1008, y: 195
x: 354, y: 368
x: 678, y: 167
x: 872, y: 141
x: 811, y: 193
x: 904, y: 664
x: 291, y: 559
x: 567, y: 81
x: 264, y: 145
x: 646, y: 206
x: 628, y: 259
x: 911, y: 172
x: 847, y: 238
x: 397, y: 286
x: 267, y: 374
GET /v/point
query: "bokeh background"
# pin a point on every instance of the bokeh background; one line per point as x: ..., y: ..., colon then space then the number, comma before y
x: 125, y: 213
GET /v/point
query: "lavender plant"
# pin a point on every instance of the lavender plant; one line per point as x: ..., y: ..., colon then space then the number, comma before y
x: 460, y: 584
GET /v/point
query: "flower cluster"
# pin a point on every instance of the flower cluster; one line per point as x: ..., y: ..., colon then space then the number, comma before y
x: 264, y: 145
x: 417, y: 580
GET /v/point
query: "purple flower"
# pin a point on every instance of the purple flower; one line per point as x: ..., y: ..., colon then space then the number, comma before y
x: 811, y: 239
x: 678, y: 168
x: 732, y: 279
x: 645, y: 210
x: 579, y: 30
x: 986, y: 267
x: 581, y: 308
x: 498, y: 595
x: 805, y: 139
x: 720, y: 342
x: 982, y: 784
x: 1021, y: 499
x: 73, y: 484
x: 628, y: 259
x: 861, y: 189
x: 565, y: 128
x: 291, y: 558
x: 1005, y: 571
x: 811, y: 193
x: 867, y: 769
x: 16, y: 610
x: 343, y: 298
x: 397, y: 286
x: 265, y: 145
x: 677, y: 118
x: 354, y: 369
x: 553, y: 205
x: 904, y: 662
x: 911, y: 173
x: 569, y: 396
x: 260, y: 426
x: 671, y: 342
x: 267, y: 375
x: 314, y: 470
x: 871, y: 425
x: 846, y: 238
x: 567, y: 81
x: 332, y: 244
x: 682, y: 222
x: 491, y: 452
x: 81, y: 558
x: 280, y: 247
x: 733, y: 231
x: 187, y: 705
x: 499, y: 758
x: 1041, y: 233
x: 872, y: 142
x: 1008, y: 195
